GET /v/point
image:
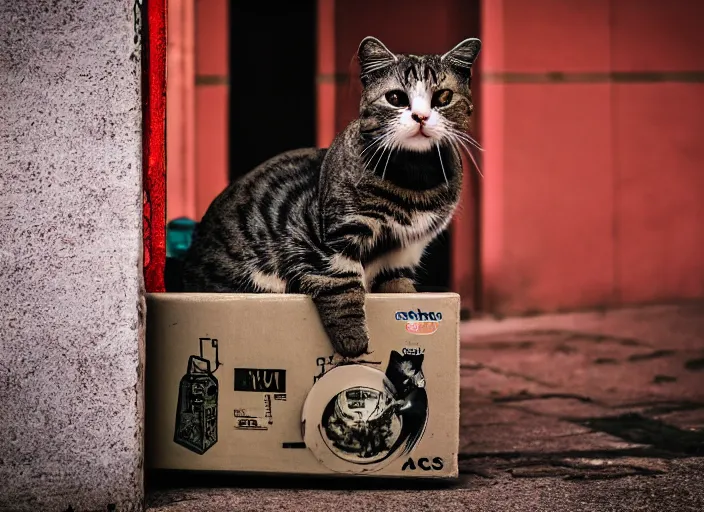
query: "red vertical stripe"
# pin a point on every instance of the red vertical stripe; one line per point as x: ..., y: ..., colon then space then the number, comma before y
x: 154, y: 131
x: 326, y: 73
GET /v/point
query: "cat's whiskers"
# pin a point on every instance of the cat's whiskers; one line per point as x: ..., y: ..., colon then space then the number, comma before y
x: 469, y: 140
x: 458, y: 130
x: 437, y: 146
x: 384, y: 139
x: 374, y: 142
x: 391, y: 150
x: 456, y: 140
x: 384, y: 147
x: 381, y: 147
x: 474, y: 142
x: 466, y: 137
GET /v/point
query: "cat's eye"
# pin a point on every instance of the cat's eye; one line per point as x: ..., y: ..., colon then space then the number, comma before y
x: 441, y: 98
x: 397, y: 98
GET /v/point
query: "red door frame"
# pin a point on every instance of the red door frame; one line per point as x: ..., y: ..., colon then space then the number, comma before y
x: 154, y: 142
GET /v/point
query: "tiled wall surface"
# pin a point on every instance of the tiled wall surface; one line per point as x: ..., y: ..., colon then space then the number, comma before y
x: 593, y: 116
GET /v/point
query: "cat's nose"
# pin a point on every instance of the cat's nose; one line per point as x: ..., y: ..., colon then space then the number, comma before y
x: 420, y: 109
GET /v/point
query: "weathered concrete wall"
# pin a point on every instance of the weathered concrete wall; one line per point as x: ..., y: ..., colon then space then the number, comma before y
x: 70, y: 256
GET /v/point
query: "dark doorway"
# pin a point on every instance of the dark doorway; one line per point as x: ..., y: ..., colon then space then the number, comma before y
x: 273, y: 99
x: 272, y: 75
x: 434, y: 273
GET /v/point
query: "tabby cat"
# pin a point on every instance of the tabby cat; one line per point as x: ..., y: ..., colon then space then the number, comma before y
x: 336, y: 223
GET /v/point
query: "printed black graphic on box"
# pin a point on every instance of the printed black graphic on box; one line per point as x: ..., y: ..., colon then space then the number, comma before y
x: 267, y: 410
x: 259, y: 380
x: 412, y: 351
x: 323, y: 364
x: 248, y: 421
x: 367, y: 425
x: 423, y: 464
x: 197, y: 408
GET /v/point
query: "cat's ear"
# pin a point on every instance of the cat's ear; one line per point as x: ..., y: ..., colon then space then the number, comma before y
x: 394, y: 355
x: 463, y: 55
x: 373, y: 56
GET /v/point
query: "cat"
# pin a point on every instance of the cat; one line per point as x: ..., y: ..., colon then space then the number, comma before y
x: 406, y: 373
x: 339, y: 222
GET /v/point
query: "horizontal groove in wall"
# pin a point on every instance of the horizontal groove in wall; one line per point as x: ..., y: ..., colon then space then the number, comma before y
x: 557, y: 77
x: 212, y: 80
x: 332, y: 78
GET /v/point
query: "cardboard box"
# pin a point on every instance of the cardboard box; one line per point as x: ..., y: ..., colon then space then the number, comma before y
x: 249, y: 383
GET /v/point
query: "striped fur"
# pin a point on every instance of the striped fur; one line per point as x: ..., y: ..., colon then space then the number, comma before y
x: 337, y: 223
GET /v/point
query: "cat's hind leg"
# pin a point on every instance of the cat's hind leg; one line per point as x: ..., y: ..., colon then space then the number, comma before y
x: 394, y: 272
x: 396, y: 280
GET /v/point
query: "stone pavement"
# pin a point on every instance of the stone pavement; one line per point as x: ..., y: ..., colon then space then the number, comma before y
x: 585, y: 411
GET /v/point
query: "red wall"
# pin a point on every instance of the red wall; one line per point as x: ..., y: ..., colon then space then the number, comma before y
x: 197, y: 105
x: 180, y: 110
x: 594, y: 189
x: 212, y: 101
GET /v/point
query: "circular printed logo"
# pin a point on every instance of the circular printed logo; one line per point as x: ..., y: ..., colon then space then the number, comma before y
x: 361, y: 424
x: 357, y: 419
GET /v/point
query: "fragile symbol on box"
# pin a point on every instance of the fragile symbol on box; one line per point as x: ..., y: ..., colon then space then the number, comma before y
x: 197, y: 408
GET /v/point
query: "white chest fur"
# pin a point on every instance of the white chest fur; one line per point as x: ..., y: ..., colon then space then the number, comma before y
x: 414, y: 239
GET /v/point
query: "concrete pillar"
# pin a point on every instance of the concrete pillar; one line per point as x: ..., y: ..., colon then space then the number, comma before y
x: 71, y: 349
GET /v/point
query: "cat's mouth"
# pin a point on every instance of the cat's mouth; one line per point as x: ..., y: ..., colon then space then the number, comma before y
x: 421, y: 134
x: 420, y: 139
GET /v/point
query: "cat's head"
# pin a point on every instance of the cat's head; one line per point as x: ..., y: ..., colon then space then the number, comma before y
x: 415, y: 101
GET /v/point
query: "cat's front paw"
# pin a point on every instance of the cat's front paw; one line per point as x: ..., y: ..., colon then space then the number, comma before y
x: 353, y: 343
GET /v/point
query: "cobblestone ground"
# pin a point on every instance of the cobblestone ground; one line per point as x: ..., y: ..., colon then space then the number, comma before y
x: 589, y: 411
